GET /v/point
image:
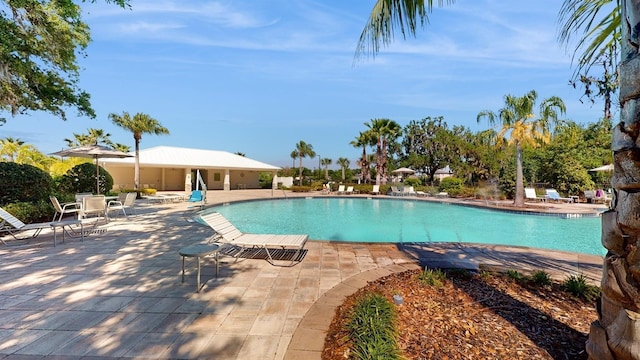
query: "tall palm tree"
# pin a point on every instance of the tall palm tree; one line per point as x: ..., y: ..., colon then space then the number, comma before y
x: 92, y: 137
x: 303, y: 149
x: 138, y: 125
x: 294, y: 157
x: 9, y: 148
x: 344, y: 165
x: 326, y: 162
x: 524, y: 128
x: 363, y: 140
x: 382, y: 131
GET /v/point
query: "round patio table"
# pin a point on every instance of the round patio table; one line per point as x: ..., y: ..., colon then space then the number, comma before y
x: 199, y: 251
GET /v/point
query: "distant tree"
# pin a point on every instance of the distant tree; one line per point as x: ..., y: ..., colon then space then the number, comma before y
x: 524, y: 127
x: 383, y: 131
x: 9, y: 148
x: 303, y: 150
x: 362, y: 141
x: 92, y: 137
x: 294, y: 156
x: 344, y: 165
x: 326, y: 162
x: 138, y: 125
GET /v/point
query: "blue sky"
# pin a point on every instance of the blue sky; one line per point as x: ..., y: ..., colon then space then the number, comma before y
x: 259, y: 76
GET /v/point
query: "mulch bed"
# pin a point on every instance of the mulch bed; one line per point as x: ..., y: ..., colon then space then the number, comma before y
x: 476, y: 316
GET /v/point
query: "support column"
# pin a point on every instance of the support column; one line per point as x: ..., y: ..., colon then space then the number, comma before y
x: 227, y: 181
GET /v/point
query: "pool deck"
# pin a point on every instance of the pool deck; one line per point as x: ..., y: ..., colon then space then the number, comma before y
x: 119, y: 293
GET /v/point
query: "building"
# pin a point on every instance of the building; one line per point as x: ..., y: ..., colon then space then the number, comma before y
x: 168, y: 168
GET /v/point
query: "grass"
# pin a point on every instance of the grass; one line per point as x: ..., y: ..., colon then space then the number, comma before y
x: 431, y: 277
x: 372, y: 327
x: 577, y: 286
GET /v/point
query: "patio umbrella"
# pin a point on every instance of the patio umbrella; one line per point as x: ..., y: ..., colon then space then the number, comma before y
x: 608, y: 167
x: 93, y: 152
x: 403, y: 170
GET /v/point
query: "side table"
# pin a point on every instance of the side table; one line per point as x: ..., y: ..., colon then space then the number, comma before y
x: 199, y: 251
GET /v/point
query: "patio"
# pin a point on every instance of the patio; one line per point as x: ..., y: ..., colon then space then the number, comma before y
x: 119, y: 293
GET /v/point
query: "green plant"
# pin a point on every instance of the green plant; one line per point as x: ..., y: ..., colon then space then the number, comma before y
x: 372, y: 328
x: 515, y: 275
x: 301, y: 188
x: 412, y: 182
x: 82, y: 178
x: 23, y: 183
x: 451, y: 185
x: 31, y: 212
x: 577, y: 286
x: 432, y: 277
x: 541, y: 278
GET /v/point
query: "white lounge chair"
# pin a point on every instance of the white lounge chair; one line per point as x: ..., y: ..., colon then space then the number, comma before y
x: 13, y: 226
x: 395, y: 191
x: 553, y: 194
x: 349, y: 190
x: 530, y: 194
x: 226, y: 232
x: 376, y: 190
x: 340, y: 190
x: 408, y: 191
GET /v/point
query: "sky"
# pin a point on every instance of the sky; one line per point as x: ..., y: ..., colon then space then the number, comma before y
x: 257, y: 77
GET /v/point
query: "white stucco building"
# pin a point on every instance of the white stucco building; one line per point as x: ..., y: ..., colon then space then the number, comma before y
x: 168, y: 168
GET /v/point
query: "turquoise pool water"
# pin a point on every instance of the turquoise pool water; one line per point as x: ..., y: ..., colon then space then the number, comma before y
x: 395, y: 221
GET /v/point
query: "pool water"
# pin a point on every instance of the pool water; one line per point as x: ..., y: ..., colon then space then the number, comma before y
x: 397, y: 221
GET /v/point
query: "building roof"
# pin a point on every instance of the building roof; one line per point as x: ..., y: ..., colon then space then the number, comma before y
x: 169, y: 156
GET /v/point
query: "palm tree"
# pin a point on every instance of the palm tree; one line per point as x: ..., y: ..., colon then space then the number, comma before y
x: 363, y: 140
x: 294, y: 156
x: 344, y: 165
x: 326, y: 162
x: 9, y: 148
x: 92, y: 137
x: 138, y: 125
x: 382, y: 131
x: 524, y: 127
x: 303, y: 149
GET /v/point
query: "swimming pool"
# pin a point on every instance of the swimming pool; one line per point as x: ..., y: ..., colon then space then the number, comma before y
x: 397, y: 221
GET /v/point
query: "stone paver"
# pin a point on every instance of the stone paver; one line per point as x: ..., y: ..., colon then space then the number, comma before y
x: 119, y: 293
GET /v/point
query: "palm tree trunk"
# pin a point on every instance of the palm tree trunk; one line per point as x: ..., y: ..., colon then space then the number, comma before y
x: 519, y: 196
x: 136, y: 169
x: 300, y: 183
x: 616, y: 333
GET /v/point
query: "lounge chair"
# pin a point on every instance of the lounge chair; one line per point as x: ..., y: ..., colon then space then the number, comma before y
x: 125, y: 201
x: 395, y: 191
x: 340, y: 190
x: 349, y: 190
x: 442, y: 194
x: 62, y: 209
x: 13, y: 226
x: 229, y: 234
x: 530, y: 194
x: 408, y: 191
x: 376, y: 190
x: 553, y: 194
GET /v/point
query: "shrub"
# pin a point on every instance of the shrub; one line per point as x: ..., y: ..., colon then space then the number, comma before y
x: 372, y: 328
x: 23, y: 183
x: 541, y: 278
x: 299, y: 188
x: 451, y: 185
x: 577, y: 286
x: 31, y: 212
x: 82, y: 178
x: 515, y: 275
x: 412, y: 182
x: 431, y: 277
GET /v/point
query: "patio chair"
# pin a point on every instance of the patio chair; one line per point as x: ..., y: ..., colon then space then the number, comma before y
x: 62, y: 209
x: 340, y: 190
x: 395, y: 191
x: 13, y: 226
x: 376, y: 190
x: 197, y: 196
x: 94, y: 205
x: 349, y: 190
x: 408, y: 191
x: 125, y: 201
x: 530, y: 194
x: 227, y: 233
x: 553, y: 194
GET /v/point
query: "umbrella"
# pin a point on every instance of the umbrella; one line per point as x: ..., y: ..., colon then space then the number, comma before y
x: 94, y: 152
x: 403, y: 170
x: 608, y: 167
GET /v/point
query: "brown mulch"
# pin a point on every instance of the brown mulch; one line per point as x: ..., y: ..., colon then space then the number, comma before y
x: 476, y: 316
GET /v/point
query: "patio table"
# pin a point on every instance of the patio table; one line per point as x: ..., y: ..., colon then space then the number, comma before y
x: 199, y: 251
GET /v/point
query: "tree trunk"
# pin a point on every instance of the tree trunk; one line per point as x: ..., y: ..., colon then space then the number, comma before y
x: 616, y: 333
x: 519, y: 196
x: 136, y: 168
x: 300, y: 181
